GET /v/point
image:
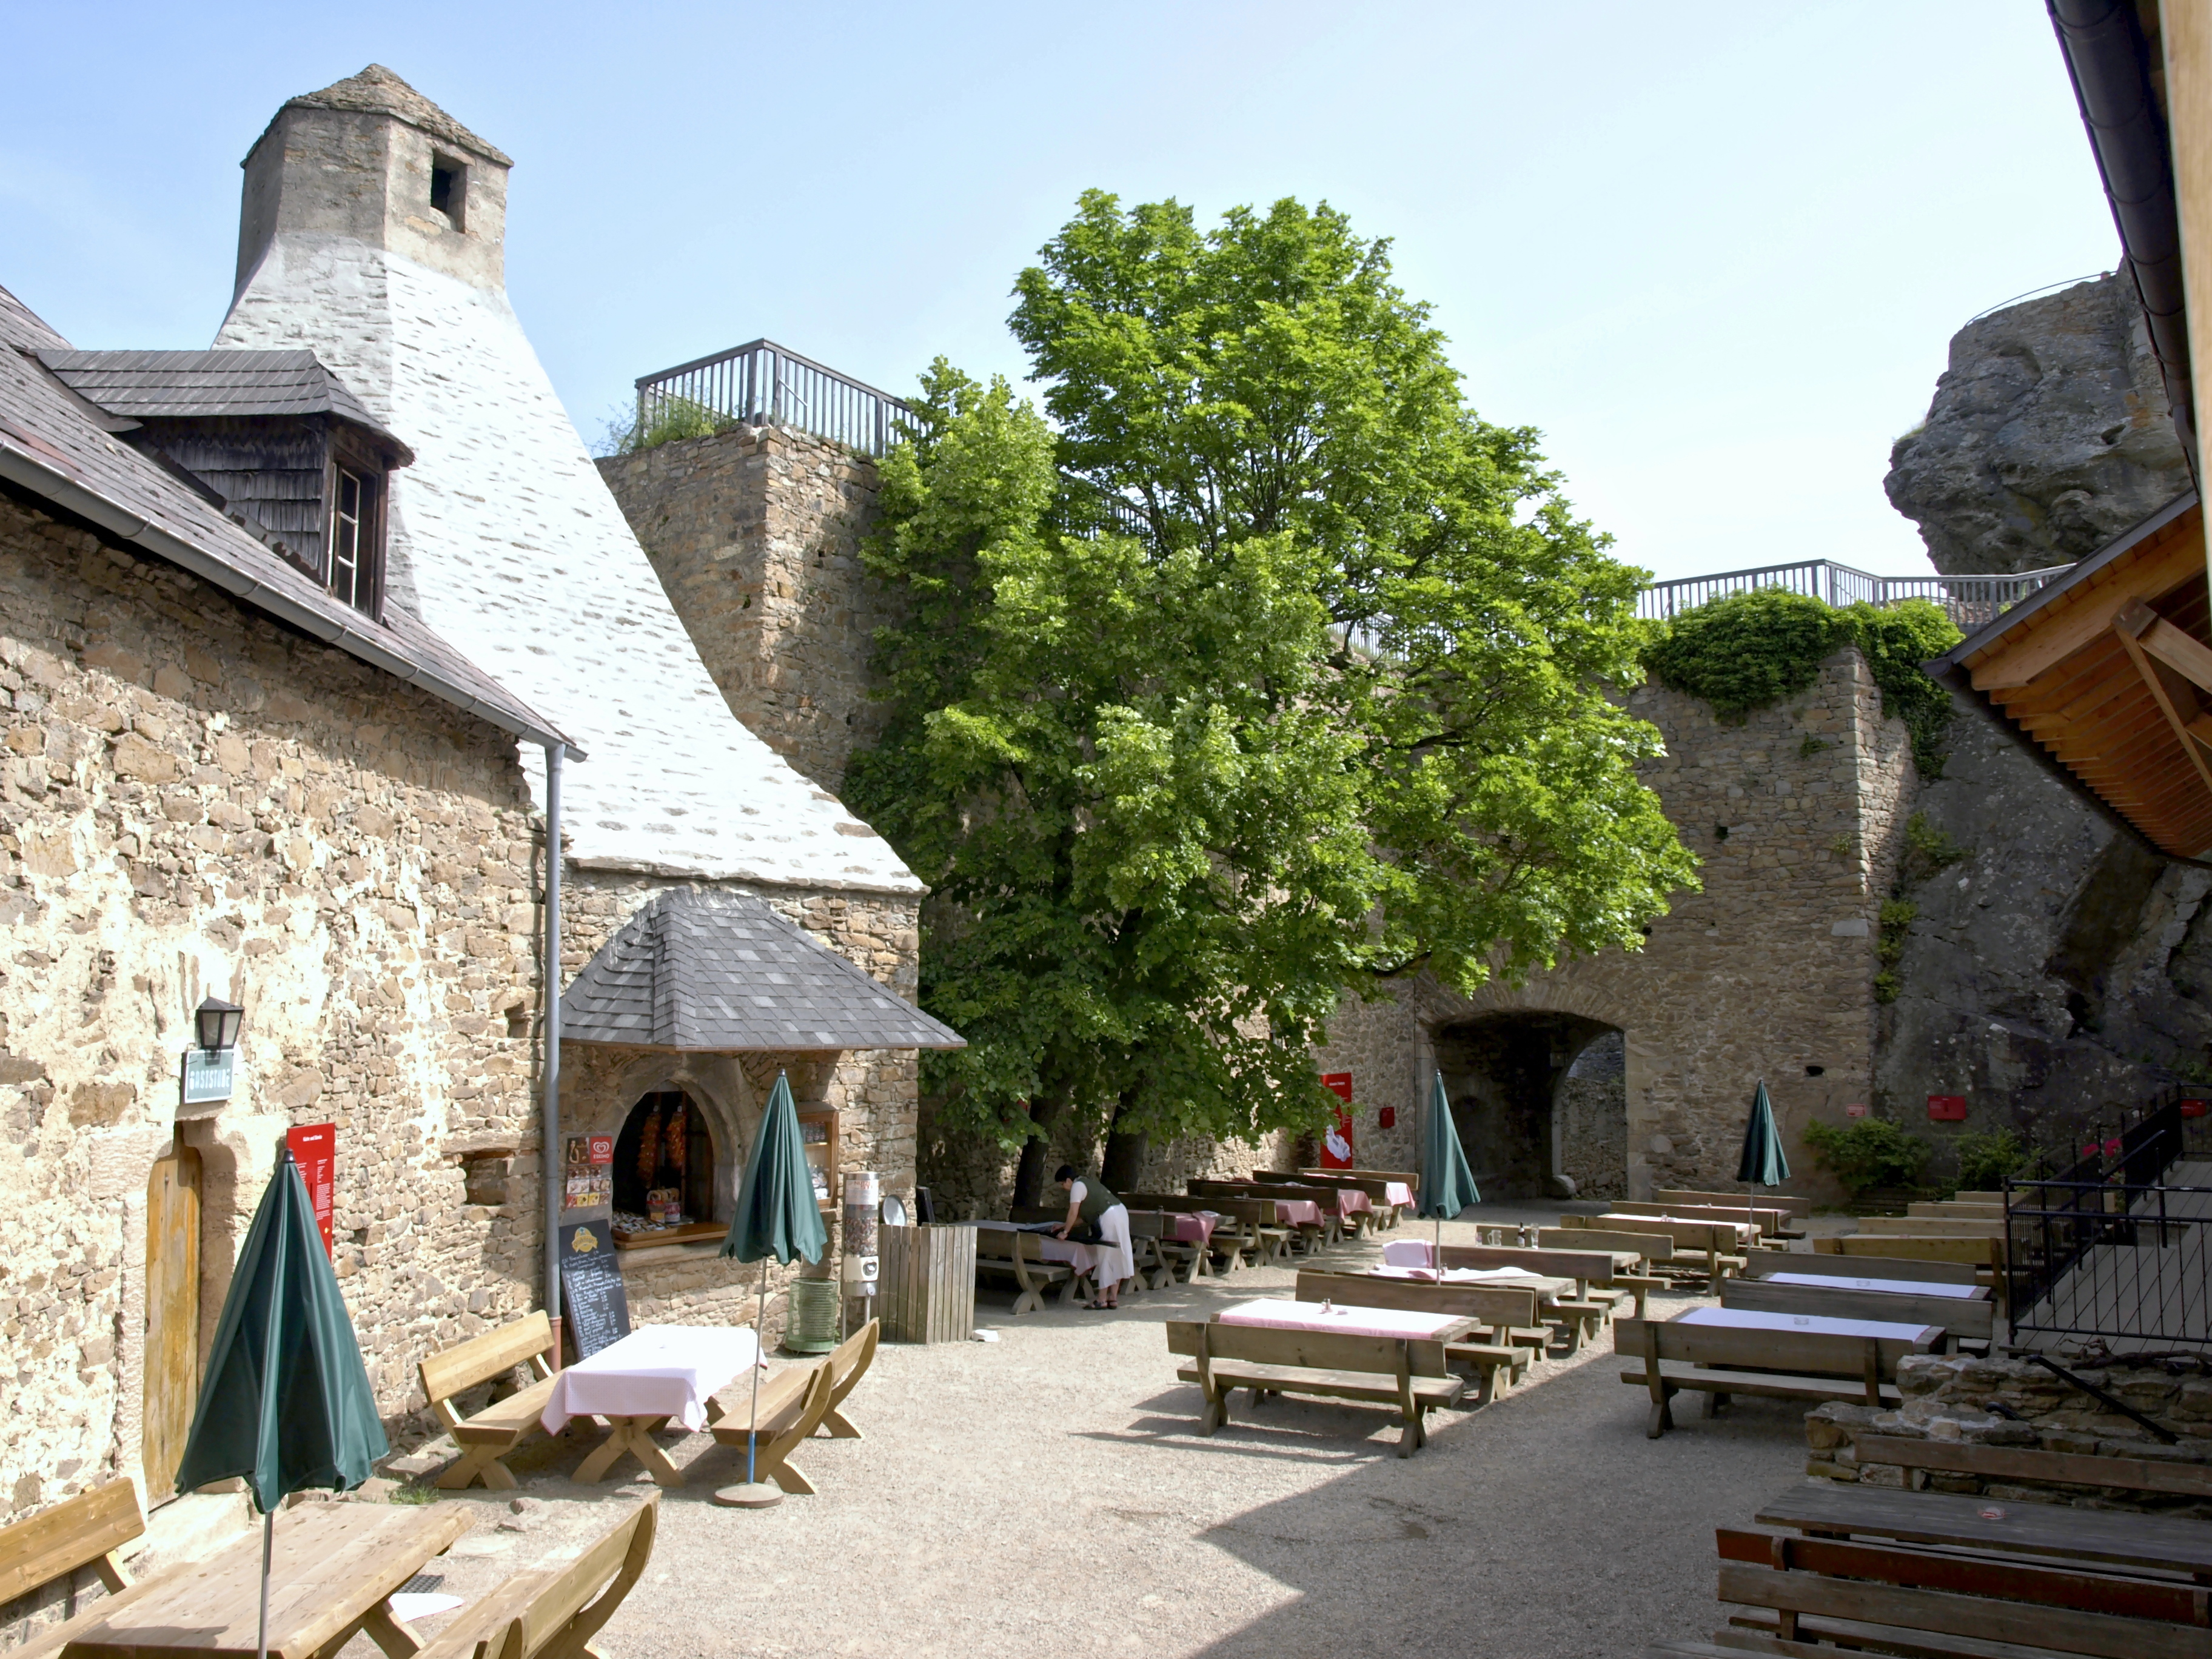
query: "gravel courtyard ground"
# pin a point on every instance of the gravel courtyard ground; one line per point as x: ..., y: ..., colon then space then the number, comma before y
x: 1049, y: 1493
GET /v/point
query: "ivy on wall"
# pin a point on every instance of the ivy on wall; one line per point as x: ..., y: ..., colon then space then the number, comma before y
x: 1748, y: 650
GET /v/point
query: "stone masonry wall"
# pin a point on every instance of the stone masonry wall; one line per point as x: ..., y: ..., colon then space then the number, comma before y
x: 195, y: 800
x: 1796, y: 814
x: 756, y: 535
x: 1952, y: 1397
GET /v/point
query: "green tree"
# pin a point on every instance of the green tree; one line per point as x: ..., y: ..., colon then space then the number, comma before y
x: 1268, y: 671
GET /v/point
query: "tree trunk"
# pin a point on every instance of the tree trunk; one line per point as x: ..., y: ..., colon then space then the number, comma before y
x: 1029, y: 1173
x: 1124, y: 1158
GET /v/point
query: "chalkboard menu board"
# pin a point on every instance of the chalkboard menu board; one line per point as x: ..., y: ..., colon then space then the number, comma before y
x: 592, y: 1297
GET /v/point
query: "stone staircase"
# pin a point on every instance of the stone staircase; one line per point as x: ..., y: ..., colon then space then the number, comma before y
x: 2160, y: 1286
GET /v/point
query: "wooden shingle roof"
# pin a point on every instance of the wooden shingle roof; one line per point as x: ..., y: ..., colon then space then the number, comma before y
x: 705, y: 970
x: 147, y: 385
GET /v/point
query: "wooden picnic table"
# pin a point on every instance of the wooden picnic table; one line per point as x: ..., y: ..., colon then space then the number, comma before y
x: 2144, y: 1542
x: 333, y: 1568
x: 638, y: 1384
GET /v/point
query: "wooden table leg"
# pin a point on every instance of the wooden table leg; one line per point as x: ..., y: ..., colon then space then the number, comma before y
x: 633, y: 1435
x: 390, y: 1633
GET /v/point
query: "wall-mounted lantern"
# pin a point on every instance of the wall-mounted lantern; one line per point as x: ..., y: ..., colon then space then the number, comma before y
x: 209, y: 1068
x: 218, y: 1022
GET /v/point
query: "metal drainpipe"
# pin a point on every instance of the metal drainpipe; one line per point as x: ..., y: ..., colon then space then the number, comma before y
x: 550, y: 1169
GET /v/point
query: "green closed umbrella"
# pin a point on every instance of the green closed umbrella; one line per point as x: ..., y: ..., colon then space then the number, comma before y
x: 286, y: 1405
x: 1763, y: 1163
x: 1447, y: 1184
x: 777, y: 1217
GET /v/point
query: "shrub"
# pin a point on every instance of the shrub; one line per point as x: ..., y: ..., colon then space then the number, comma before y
x: 1984, y: 1161
x: 1870, y: 1153
x: 668, y: 421
x: 1928, y: 851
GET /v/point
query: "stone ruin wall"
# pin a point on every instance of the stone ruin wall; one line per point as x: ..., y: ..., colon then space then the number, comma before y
x: 195, y: 800
x: 755, y: 534
x: 1765, y: 973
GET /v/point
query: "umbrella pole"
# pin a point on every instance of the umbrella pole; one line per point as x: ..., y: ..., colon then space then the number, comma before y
x: 268, y: 1538
x: 754, y: 1494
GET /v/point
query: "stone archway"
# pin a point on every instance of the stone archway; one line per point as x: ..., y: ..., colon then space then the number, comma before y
x: 1537, y: 1122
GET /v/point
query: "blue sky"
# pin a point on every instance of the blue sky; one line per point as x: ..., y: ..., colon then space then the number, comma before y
x: 1714, y: 253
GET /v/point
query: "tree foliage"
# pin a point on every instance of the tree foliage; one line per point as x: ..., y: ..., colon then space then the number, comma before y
x: 1751, y: 649
x: 1265, y: 671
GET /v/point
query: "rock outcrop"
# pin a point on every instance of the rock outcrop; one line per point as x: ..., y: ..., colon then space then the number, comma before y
x: 2049, y: 436
x: 2055, y: 969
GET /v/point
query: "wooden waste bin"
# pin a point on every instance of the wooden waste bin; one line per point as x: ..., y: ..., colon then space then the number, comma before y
x: 927, y: 1284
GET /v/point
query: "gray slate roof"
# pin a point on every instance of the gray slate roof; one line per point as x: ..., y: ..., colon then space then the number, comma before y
x: 51, y: 446
x: 153, y: 384
x: 721, y: 971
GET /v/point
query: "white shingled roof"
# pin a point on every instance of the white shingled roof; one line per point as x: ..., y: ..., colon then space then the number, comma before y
x: 504, y: 539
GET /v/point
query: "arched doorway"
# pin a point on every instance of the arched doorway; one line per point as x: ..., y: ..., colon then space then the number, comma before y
x: 664, y: 1173
x: 1540, y: 1103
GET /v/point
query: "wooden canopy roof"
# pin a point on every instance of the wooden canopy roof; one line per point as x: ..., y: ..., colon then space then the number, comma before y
x: 2108, y: 669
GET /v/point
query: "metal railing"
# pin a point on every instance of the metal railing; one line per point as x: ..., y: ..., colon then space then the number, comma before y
x: 763, y: 383
x: 2106, y: 1250
x: 1972, y: 601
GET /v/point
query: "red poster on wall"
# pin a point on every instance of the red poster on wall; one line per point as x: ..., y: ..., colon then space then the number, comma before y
x: 1946, y: 1109
x: 315, y: 1150
x: 1336, y: 1143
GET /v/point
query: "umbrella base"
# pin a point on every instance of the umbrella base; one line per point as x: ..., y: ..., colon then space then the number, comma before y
x: 749, y: 1495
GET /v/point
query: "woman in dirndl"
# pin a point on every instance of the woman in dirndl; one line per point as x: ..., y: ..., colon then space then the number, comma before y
x: 1097, y: 1218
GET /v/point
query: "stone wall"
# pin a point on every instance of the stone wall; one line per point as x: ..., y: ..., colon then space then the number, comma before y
x: 1794, y: 814
x: 195, y: 800
x: 1589, y: 1116
x: 756, y: 535
x: 2013, y: 1402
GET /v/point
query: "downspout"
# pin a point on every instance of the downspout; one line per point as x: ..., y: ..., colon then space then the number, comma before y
x: 550, y: 1167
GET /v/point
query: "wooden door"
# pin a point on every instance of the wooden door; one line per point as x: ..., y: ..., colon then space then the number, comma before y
x: 173, y: 1315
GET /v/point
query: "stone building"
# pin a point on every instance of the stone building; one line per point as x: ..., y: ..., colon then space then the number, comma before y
x: 372, y: 234
x: 300, y: 639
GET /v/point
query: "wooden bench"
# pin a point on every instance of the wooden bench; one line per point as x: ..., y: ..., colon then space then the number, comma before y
x: 1278, y: 1234
x: 1248, y: 1227
x: 1600, y: 1277
x: 1504, y: 1310
x: 62, y: 1539
x: 1649, y: 1249
x: 1981, y: 1253
x: 849, y: 1363
x: 1939, y: 1604
x: 1769, y: 1222
x: 489, y: 1434
x: 1408, y: 1375
x: 1162, y: 1258
x: 1798, y: 1209
x: 1957, y: 1209
x: 1016, y: 1256
x: 1720, y: 1360
x: 793, y: 1402
x: 1962, y: 1320
x: 1140, y: 1254
x: 1927, y: 1226
x: 1918, y: 1458
x: 553, y: 1613
x: 1383, y: 1212
x: 1717, y: 1242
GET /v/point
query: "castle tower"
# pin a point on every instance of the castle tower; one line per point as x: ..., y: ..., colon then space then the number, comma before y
x: 371, y: 232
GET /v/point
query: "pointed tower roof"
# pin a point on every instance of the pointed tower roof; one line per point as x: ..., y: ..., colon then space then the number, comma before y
x: 377, y: 91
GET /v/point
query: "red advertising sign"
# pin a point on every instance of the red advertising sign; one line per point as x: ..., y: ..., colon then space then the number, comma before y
x: 1336, y: 1143
x: 2194, y: 1107
x: 602, y: 1148
x: 315, y: 1150
x: 1856, y: 1109
x: 1946, y: 1109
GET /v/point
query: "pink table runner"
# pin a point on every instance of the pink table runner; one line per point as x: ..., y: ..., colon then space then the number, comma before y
x: 1397, y: 1191
x: 1350, y: 1201
x: 1286, y: 1315
x: 1297, y: 1211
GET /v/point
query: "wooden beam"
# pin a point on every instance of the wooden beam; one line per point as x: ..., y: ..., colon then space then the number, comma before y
x: 2186, y: 40
x: 2190, y: 658
x: 2143, y: 668
x: 2085, y: 615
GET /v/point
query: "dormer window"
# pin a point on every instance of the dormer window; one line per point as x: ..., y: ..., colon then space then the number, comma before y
x: 449, y: 190
x: 354, y: 562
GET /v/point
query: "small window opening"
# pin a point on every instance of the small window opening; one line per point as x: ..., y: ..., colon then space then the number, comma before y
x: 663, y: 1165
x: 1720, y: 832
x: 449, y: 190
x: 1815, y: 1071
x: 352, y: 576
x: 518, y: 1020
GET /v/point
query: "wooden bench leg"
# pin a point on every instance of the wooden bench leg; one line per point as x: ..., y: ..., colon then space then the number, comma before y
x: 633, y: 1435
x: 479, y: 1461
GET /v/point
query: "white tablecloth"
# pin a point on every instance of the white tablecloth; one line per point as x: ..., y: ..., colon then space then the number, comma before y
x: 657, y: 1371
x: 1397, y: 1191
x: 1287, y: 1315
x: 1464, y: 1275
x: 1409, y: 1253
x: 1881, y: 1330
x: 1084, y: 1258
x: 1887, y: 1286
